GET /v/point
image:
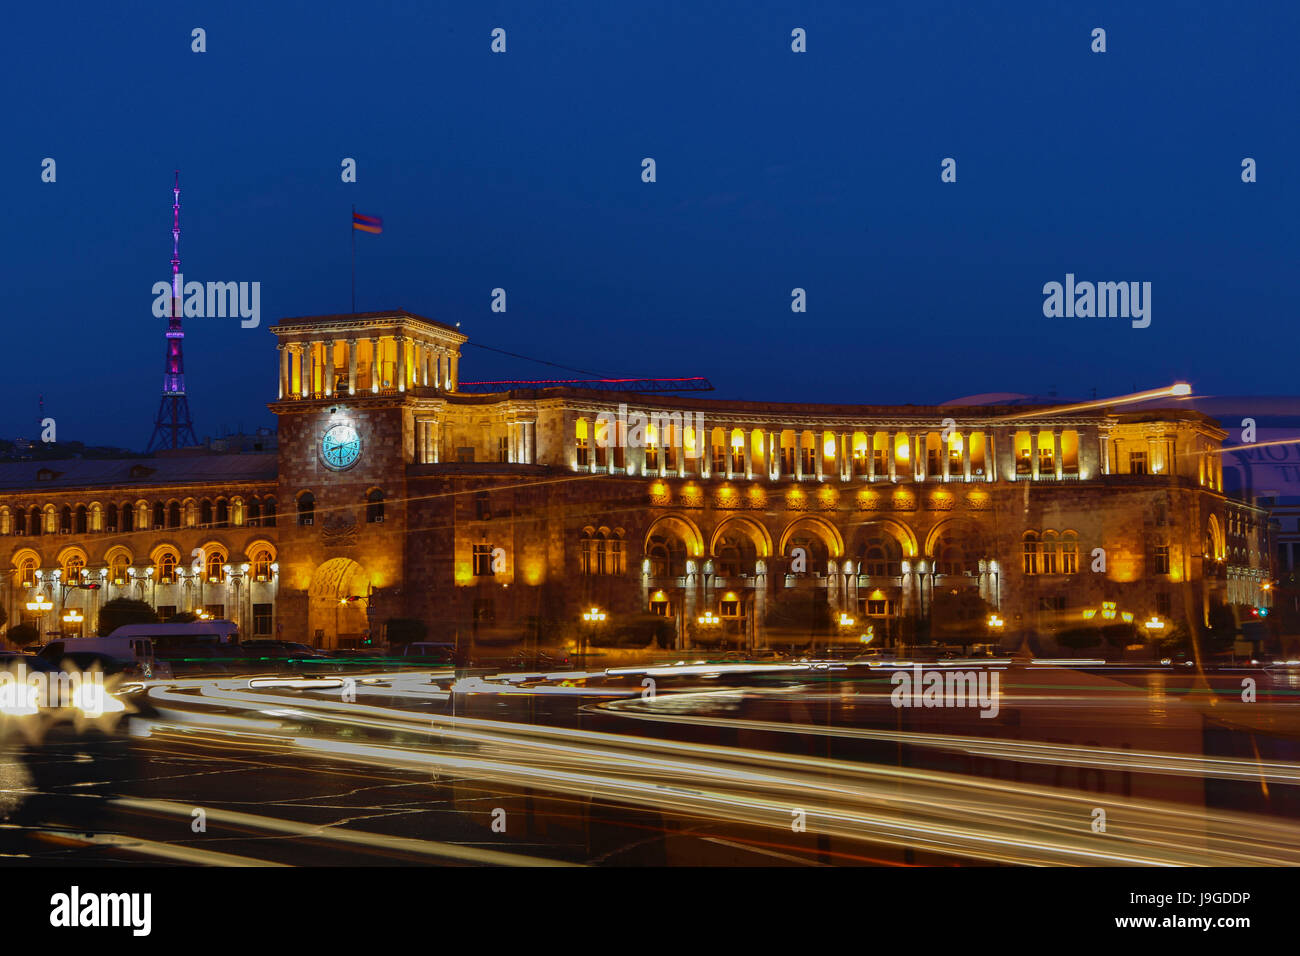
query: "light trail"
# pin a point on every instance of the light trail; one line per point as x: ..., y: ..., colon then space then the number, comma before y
x: 861, y: 803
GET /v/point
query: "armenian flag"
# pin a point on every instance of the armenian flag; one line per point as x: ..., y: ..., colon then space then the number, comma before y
x: 367, y: 223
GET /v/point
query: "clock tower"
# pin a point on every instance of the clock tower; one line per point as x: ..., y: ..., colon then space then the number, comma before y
x: 360, y: 396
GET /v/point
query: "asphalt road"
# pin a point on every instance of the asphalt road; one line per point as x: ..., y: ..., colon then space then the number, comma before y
x: 795, y: 764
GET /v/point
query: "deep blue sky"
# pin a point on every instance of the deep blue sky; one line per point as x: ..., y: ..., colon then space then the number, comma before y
x: 775, y: 170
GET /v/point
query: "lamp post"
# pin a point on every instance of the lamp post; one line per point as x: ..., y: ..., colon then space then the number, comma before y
x: 592, y: 619
x: 40, y: 607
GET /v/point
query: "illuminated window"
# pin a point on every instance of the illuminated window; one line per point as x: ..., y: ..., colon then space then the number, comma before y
x: 27, y: 573
x: 1047, y: 553
x: 483, y: 560
x: 1069, y: 553
x: 261, y: 565
x: 1070, y: 453
x: 1024, y: 454
x: 584, y: 552
x: 72, y: 568
x: 584, y: 444
x: 117, y: 569
x: 1046, y: 454
x: 212, y: 566
x: 166, y: 568
x: 1162, y: 559
x: 1030, y: 552
x: 1137, y: 463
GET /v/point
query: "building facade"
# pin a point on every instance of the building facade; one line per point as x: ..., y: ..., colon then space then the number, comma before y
x: 505, y: 517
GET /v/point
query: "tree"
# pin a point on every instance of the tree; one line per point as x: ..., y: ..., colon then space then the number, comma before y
x: 405, y: 630
x: 184, y: 617
x: 959, y: 616
x: 20, y: 635
x: 121, y: 611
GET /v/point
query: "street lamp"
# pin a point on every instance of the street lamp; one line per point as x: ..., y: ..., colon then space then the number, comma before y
x: 73, y: 617
x: 592, y: 619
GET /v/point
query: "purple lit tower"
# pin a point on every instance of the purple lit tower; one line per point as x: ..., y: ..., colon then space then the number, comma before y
x: 173, y: 428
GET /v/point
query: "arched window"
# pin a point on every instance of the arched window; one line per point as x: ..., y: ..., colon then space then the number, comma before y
x: 166, y: 568
x: 261, y: 565
x: 598, y: 543
x: 205, y: 513
x: 1031, y: 552
x: 80, y: 525
x: 223, y: 513
x: 174, y: 514
x: 253, y: 516
x: 375, y: 507
x: 615, y: 563
x: 1047, y: 563
x: 65, y: 520
x: 110, y: 518
x: 667, y: 557
x: 73, y: 565
x: 34, y: 524
x: 736, y: 556
x: 213, y: 566
x: 1069, y: 552
x: 306, y: 508
x: 584, y: 552
x: 268, y: 513
x: 127, y: 518
x: 27, y: 573
x: 117, y: 569
x: 159, y: 515
x: 881, y: 557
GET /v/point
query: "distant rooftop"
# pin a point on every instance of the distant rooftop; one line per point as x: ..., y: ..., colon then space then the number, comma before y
x: 131, y: 472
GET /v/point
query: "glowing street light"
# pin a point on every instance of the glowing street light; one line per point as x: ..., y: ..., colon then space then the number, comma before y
x: 594, y: 616
x: 995, y: 622
x: 709, y: 618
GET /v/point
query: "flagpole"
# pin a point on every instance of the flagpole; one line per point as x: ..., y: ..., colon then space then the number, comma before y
x: 352, y: 228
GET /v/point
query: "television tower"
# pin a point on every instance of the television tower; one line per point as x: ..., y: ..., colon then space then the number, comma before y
x: 173, y: 428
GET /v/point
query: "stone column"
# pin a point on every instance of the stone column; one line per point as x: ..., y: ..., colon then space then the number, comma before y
x: 966, y: 440
x: 1056, y: 452
x: 400, y: 341
x: 679, y: 437
x: 304, y: 369
x: 376, y: 364
x: 798, y: 455
x: 846, y: 467
x: 749, y: 454
x: 454, y: 372
x: 285, y: 379
x: 772, y: 455
x: 329, y: 368
x: 871, y: 456
x: 530, y: 443
x: 891, y: 456
x: 352, y: 366
x: 819, y: 458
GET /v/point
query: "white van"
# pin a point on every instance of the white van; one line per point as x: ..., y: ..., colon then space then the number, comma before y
x: 133, y: 655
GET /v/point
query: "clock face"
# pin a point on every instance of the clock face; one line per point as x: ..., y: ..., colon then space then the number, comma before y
x: 340, y: 447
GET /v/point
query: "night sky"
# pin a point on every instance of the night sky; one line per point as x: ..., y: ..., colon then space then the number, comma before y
x: 775, y: 170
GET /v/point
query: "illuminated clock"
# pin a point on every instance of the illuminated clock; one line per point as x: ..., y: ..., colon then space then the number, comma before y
x: 340, y: 447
